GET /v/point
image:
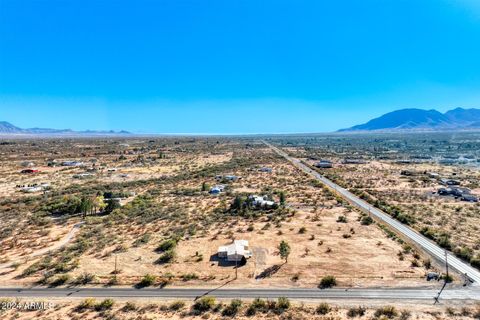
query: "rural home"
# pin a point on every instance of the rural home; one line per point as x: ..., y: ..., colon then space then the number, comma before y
x: 27, y: 164
x: 469, y: 198
x: 324, y: 164
x: 230, y: 178
x: 259, y: 201
x: 463, y: 193
x: 449, y: 182
x: 237, y: 251
x: 72, y: 164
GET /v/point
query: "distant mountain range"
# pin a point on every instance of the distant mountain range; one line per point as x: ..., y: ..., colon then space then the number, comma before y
x: 7, y: 128
x: 422, y: 120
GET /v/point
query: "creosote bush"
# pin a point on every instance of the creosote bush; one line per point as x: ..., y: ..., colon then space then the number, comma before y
x: 232, y: 309
x: 328, y: 282
x: 323, y: 308
x: 203, y: 304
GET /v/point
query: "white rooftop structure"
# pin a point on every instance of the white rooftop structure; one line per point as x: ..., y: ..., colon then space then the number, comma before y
x: 32, y: 189
x: 261, y: 201
x: 236, y: 251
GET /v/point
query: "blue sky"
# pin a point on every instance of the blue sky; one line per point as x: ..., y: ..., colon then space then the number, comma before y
x: 233, y: 66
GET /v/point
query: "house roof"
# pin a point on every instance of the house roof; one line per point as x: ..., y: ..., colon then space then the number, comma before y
x: 237, y: 247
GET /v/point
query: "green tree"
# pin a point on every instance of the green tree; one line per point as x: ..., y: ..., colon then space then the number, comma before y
x: 99, y: 203
x: 285, y: 250
x: 282, y: 198
x: 86, y: 206
x: 112, y: 205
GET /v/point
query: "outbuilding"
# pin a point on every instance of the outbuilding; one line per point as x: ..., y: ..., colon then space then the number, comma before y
x: 235, y: 252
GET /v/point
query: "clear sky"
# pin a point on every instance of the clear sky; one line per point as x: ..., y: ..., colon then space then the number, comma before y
x: 233, y: 66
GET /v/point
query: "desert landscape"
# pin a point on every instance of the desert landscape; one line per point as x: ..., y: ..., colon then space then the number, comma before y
x: 167, y: 225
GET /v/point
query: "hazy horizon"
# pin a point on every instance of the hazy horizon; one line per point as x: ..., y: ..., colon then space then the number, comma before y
x: 233, y: 67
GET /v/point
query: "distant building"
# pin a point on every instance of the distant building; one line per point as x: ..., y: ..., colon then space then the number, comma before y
x: 230, y: 178
x: 433, y: 175
x: 33, y: 189
x: 449, y: 182
x: 408, y: 173
x: 72, y: 164
x: 83, y: 175
x: 454, y: 191
x: 469, y: 198
x: 324, y: 164
x: 353, y: 161
x: 404, y: 161
x: 237, y: 251
x: 261, y: 202
x: 27, y: 164
x: 447, y: 161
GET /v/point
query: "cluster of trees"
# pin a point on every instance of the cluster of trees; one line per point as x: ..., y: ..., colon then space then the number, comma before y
x: 241, y: 205
x: 70, y: 205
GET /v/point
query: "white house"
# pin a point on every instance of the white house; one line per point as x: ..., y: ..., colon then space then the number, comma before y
x: 236, y: 251
x: 32, y: 189
x: 72, y: 164
x: 260, y: 201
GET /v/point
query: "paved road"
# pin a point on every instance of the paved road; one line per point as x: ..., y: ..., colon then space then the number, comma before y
x: 429, y: 246
x: 60, y: 244
x: 245, y: 293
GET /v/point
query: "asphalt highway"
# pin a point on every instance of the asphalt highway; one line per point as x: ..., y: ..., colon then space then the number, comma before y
x: 429, y: 246
x: 243, y: 293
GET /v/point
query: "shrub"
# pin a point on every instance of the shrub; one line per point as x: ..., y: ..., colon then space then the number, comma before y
x: 232, y: 309
x: 166, y: 257
x: 129, y: 306
x: 189, y: 276
x: 405, y: 314
x: 476, y: 262
x: 147, y: 280
x: 328, y: 282
x: 167, y: 245
x: 203, y: 304
x: 88, y: 303
x: 464, y: 253
x: 258, y: 305
x: 64, y: 278
x: 356, y: 312
x: 106, y: 304
x: 476, y: 314
x: 144, y: 239
x: 302, y: 230
x: 366, y: 220
x: 415, y: 263
x: 323, y: 308
x: 342, y: 219
x: 282, y: 304
x: 176, y: 305
x: 85, y: 278
x: 388, y: 311
x: 427, y: 263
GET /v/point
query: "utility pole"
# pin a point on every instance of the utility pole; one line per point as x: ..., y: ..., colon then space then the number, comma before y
x: 447, y: 277
x: 236, y: 264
